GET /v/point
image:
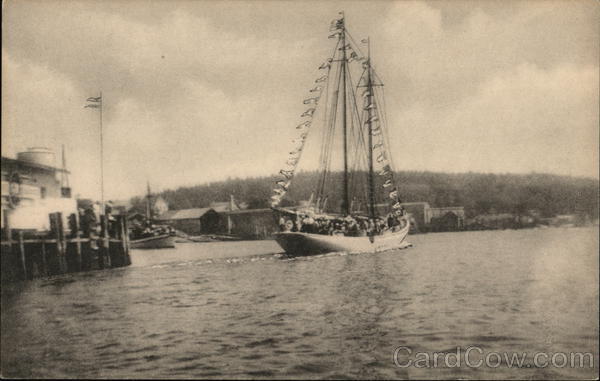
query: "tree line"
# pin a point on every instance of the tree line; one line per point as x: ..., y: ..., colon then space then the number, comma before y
x: 547, y: 194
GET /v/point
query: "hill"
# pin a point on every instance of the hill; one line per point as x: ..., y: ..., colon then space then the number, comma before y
x: 478, y: 193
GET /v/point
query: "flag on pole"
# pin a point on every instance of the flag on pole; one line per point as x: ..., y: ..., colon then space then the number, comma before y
x: 93, y: 102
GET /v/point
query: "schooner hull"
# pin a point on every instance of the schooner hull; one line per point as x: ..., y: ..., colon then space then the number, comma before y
x: 302, y: 244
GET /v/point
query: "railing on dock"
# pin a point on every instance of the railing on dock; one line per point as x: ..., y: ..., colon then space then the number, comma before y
x: 28, y: 254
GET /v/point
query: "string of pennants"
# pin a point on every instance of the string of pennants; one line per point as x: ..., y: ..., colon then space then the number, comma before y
x: 380, y: 152
x: 282, y: 185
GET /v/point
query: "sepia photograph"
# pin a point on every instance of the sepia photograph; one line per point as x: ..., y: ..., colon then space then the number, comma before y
x: 300, y: 189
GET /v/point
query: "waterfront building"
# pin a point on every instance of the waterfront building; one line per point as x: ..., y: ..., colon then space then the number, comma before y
x: 32, y: 181
x: 195, y: 221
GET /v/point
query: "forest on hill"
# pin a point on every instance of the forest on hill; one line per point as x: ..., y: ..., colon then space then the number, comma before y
x: 546, y: 194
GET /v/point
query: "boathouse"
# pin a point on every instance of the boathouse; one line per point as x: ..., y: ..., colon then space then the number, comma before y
x: 445, y: 219
x: 249, y: 223
x: 195, y: 221
x: 419, y: 213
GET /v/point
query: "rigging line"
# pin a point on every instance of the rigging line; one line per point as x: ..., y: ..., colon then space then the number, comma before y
x: 327, y: 93
x: 327, y: 142
x: 356, y: 45
x: 322, y: 155
x: 357, y: 133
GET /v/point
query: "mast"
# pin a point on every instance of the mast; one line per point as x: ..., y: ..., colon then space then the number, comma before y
x: 148, y: 213
x: 346, y: 204
x: 101, y: 159
x: 64, y: 176
x: 370, y: 128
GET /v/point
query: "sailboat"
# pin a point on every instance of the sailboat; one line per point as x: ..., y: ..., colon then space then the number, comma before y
x: 152, y: 236
x: 353, y: 112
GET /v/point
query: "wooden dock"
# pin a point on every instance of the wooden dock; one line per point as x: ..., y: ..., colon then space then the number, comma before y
x: 27, y: 254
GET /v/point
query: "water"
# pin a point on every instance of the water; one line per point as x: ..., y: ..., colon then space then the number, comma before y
x: 240, y: 310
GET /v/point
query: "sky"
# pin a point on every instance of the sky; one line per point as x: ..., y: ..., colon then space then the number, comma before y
x: 201, y: 91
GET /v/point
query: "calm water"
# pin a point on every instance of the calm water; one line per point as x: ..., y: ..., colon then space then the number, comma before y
x: 240, y: 310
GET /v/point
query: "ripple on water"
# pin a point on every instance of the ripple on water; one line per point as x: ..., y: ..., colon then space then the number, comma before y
x: 209, y: 311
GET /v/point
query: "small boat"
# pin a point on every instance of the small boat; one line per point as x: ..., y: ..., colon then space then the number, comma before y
x: 353, y: 116
x: 149, y: 235
x: 162, y: 241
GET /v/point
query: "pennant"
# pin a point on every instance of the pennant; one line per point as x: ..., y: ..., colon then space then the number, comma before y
x: 397, y: 206
x: 287, y: 174
x: 387, y: 184
x: 317, y: 88
x: 314, y: 100
x: 394, y: 194
x: 96, y: 102
x: 322, y: 79
x: 337, y: 23
x: 308, y: 112
x: 381, y: 157
x: 325, y: 65
x: 385, y: 170
x: 304, y: 124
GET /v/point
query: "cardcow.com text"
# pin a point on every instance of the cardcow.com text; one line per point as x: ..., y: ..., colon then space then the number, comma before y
x: 476, y: 357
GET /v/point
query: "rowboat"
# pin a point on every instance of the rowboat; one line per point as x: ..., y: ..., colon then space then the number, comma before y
x: 163, y: 241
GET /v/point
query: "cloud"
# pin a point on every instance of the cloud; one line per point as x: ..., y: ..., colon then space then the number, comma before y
x: 525, y: 118
x: 201, y: 91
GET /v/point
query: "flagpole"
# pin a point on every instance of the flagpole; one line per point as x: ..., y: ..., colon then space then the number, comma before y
x: 103, y: 210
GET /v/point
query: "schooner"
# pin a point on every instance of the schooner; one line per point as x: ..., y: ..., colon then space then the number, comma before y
x: 353, y: 112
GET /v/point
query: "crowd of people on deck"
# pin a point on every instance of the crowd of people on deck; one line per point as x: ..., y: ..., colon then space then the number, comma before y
x: 348, y: 226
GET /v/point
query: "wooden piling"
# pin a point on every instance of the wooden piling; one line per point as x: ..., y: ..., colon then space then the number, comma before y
x: 76, y: 233
x: 44, y: 269
x: 7, y: 256
x: 127, y: 259
x: 58, y: 257
x: 28, y: 256
x: 22, y: 258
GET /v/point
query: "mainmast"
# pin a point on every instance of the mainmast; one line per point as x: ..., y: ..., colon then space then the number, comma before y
x: 346, y: 203
x: 370, y: 129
